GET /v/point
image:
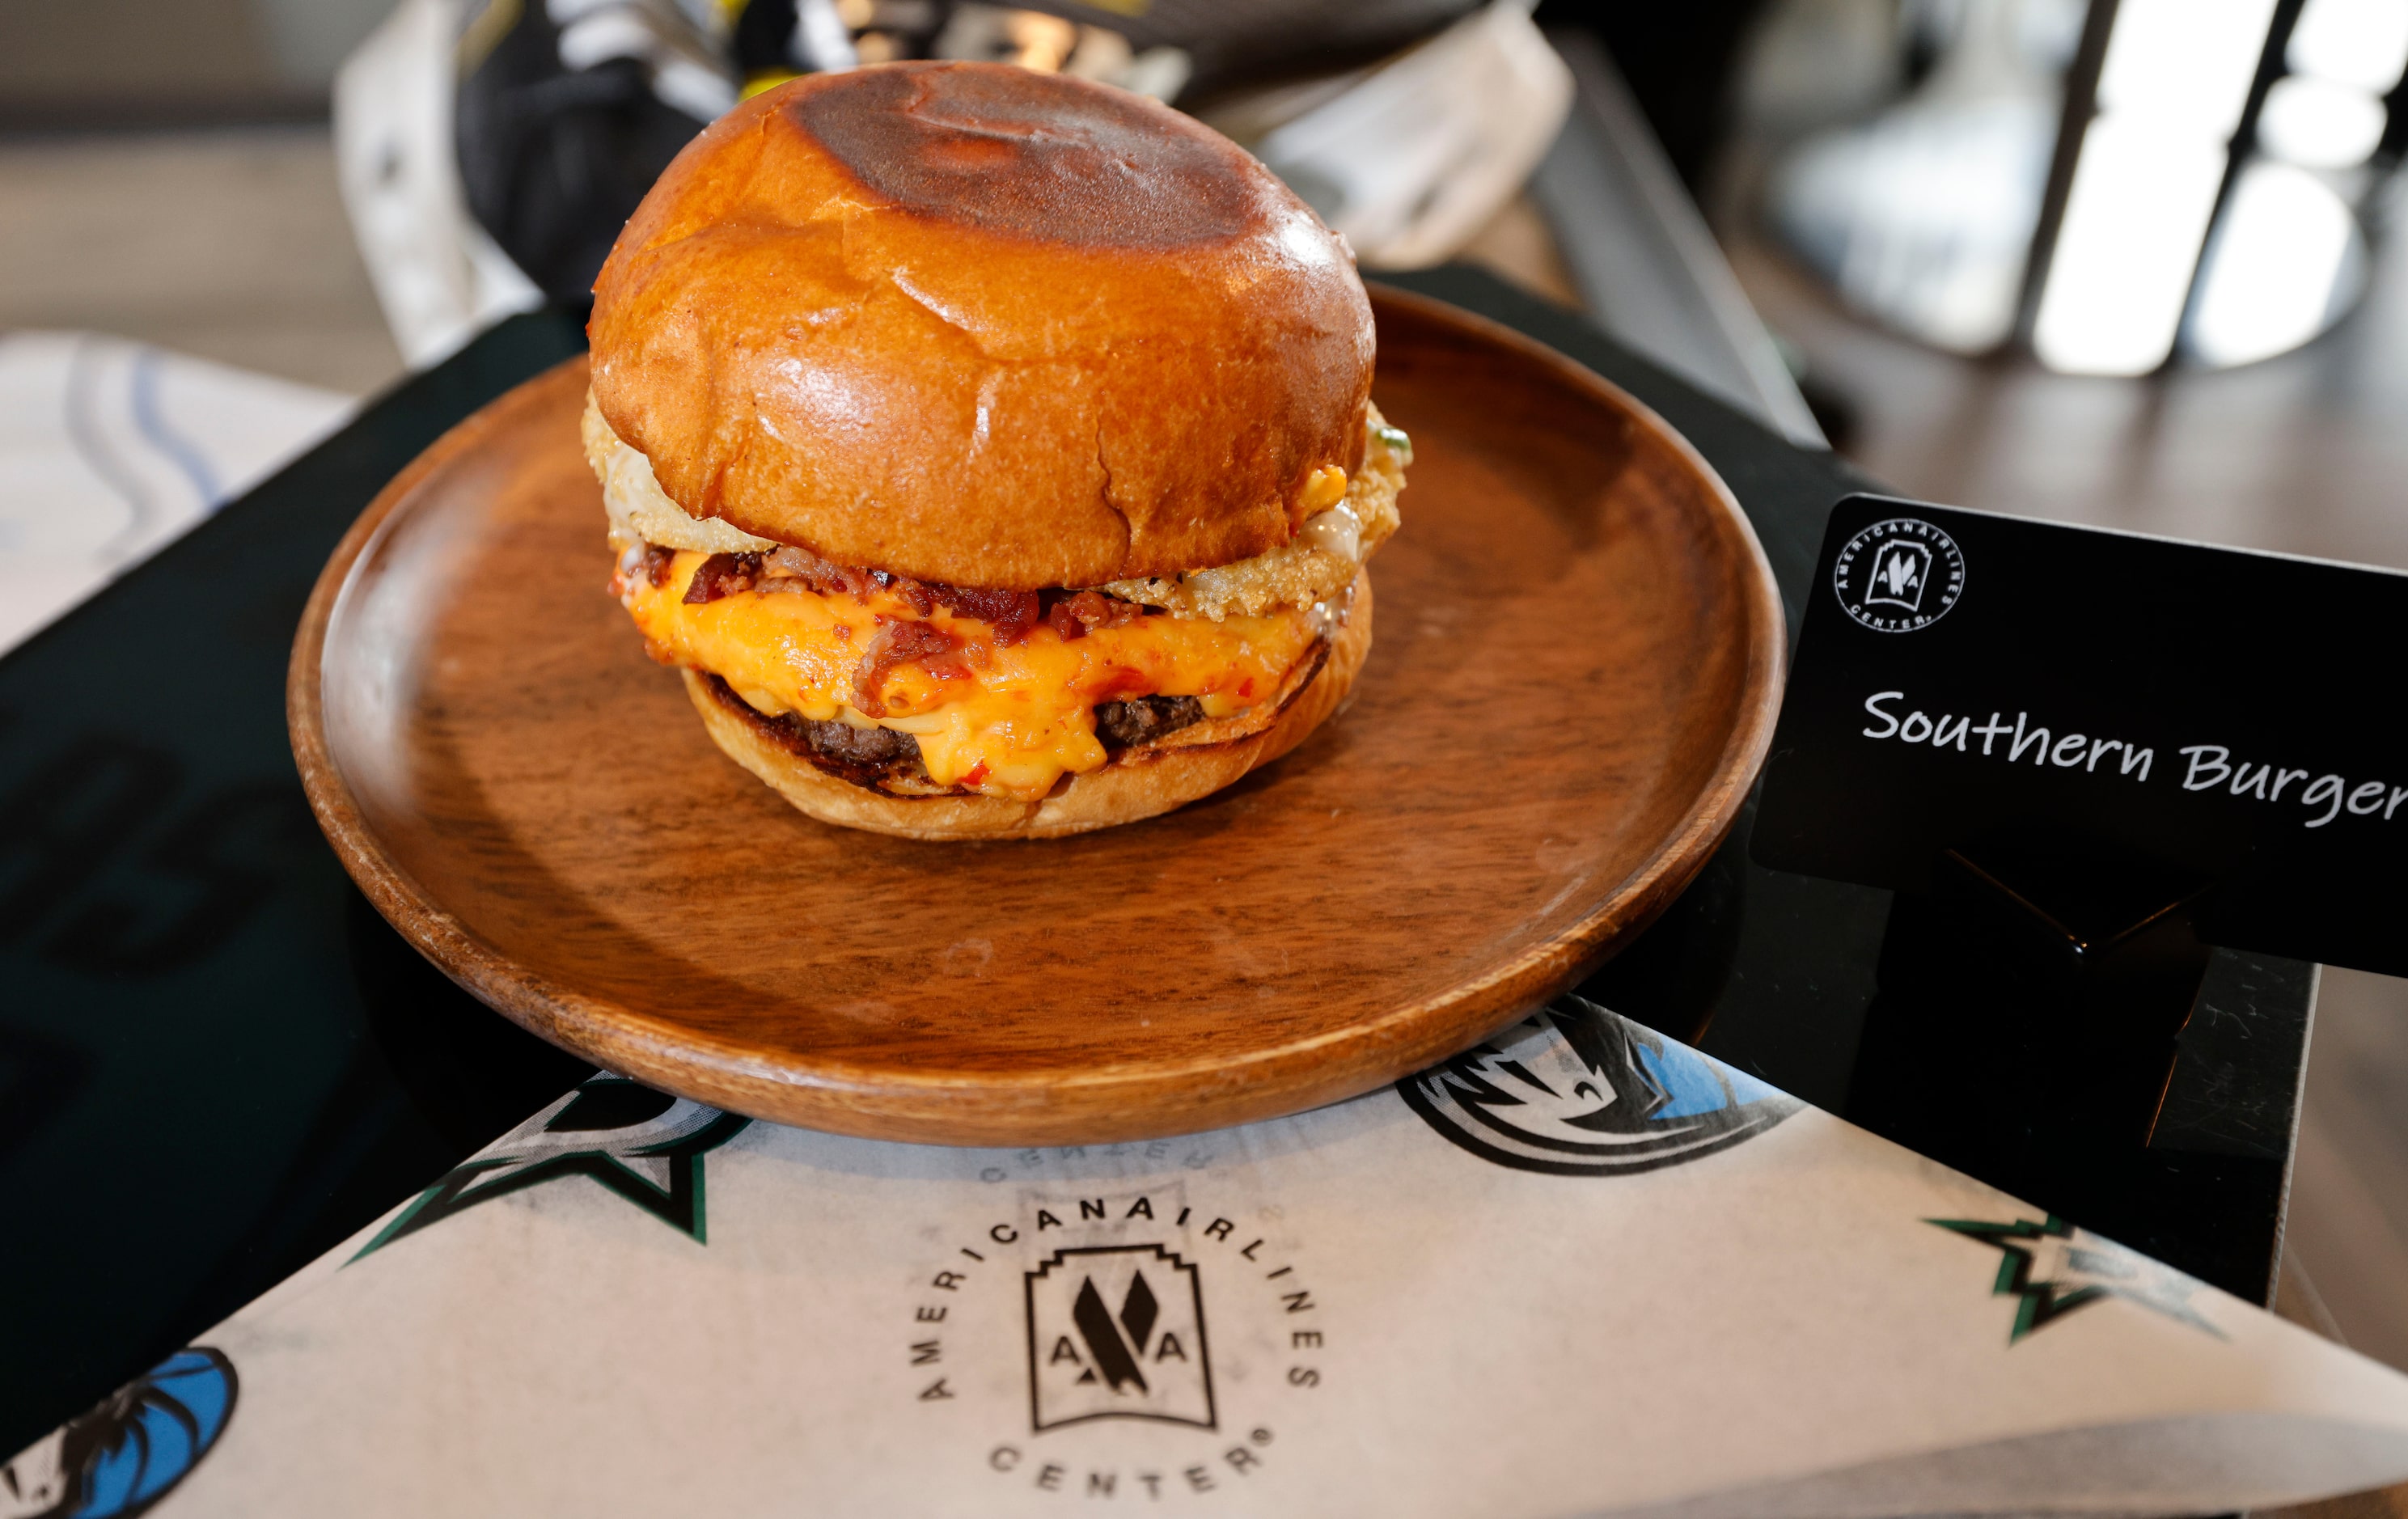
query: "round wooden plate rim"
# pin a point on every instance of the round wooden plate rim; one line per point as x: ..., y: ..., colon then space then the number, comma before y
x: 612, y: 1032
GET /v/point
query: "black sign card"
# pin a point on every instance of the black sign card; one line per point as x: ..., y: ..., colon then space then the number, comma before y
x: 1967, y: 680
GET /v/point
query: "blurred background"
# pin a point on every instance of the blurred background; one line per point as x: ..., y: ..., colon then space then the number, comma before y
x: 2129, y: 262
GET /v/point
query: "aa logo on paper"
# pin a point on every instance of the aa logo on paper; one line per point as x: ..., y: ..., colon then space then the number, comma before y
x: 1117, y: 1331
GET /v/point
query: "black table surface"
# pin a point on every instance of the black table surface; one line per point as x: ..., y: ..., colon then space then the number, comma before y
x: 216, y: 1061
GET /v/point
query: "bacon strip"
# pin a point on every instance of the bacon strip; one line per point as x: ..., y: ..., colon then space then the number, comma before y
x: 1080, y: 613
x: 817, y: 574
x: 723, y: 575
x: 896, y: 642
x: 651, y: 562
x: 1012, y: 614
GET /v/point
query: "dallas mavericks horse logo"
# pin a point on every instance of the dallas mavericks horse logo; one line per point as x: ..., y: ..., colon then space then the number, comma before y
x: 1574, y: 1090
x: 124, y: 1455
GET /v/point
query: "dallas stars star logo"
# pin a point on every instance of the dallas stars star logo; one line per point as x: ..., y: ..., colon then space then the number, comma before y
x: 2053, y: 1268
x: 641, y: 1145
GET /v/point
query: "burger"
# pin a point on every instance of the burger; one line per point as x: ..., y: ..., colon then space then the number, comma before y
x: 992, y: 453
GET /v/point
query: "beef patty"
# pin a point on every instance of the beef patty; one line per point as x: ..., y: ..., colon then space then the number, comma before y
x: 1141, y: 720
x: 867, y: 756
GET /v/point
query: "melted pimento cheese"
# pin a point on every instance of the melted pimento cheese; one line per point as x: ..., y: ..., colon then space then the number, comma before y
x: 992, y: 713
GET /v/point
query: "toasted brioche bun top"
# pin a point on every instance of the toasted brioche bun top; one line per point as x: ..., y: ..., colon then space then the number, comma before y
x: 983, y: 326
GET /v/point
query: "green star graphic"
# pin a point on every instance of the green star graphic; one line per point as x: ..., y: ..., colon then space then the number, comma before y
x: 2085, y: 1269
x: 604, y: 1130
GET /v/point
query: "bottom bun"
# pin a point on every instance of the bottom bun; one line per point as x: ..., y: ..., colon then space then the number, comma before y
x: 1141, y: 782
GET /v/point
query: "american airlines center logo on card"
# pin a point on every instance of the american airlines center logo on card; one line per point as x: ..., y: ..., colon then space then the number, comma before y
x: 1117, y: 1331
x: 1899, y: 575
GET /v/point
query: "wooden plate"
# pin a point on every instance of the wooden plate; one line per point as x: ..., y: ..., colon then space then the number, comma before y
x: 1575, y: 676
